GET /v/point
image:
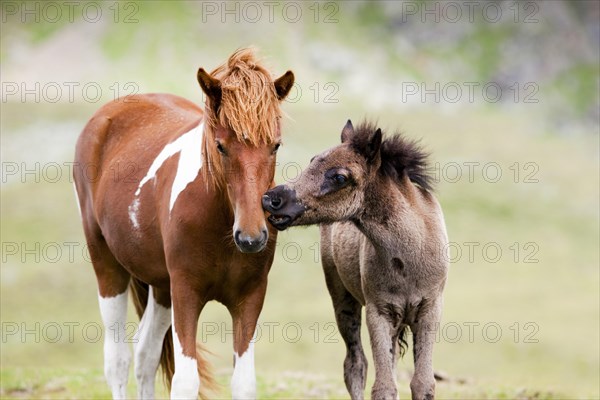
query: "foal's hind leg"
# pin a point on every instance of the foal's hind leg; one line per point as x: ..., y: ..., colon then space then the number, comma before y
x: 149, y: 340
x: 424, y: 328
x: 383, y: 337
x: 348, y: 317
x: 113, y: 281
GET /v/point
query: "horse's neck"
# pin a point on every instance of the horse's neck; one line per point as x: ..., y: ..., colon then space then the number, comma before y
x: 214, y: 202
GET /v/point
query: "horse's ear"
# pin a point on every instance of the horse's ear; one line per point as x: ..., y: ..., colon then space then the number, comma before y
x: 347, y: 132
x: 211, y: 86
x: 284, y: 84
x: 368, y: 145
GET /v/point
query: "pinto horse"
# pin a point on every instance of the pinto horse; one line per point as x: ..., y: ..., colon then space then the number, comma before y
x: 170, y: 198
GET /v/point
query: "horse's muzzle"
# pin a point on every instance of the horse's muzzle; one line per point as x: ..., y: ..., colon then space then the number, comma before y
x: 249, y: 244
x: 282, y: 204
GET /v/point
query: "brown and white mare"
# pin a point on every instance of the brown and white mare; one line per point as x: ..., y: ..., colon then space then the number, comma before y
x: 170, y: 198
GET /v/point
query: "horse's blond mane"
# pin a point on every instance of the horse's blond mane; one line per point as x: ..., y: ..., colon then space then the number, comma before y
x: 249, y: 105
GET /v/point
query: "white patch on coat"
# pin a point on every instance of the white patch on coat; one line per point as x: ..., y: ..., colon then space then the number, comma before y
x: 117, y: 355
x: 77, y: 199
x: 186, y: 381
x: 190, y: 162
x: 133, y: 211
x: 189, y: 147
x: 148, y: 345
x: 243, y: 381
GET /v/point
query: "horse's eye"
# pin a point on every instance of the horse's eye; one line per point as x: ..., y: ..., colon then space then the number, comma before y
x: 340, y: 179
x: 277, y: 146
x: 221, y: 148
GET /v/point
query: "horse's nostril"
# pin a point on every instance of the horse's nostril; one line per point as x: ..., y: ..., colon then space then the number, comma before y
x: 276, y: 203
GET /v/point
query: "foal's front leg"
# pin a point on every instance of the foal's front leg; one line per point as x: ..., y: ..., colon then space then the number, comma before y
x: 348, y: 317
x: 422, y: 385
x: 382, y: 334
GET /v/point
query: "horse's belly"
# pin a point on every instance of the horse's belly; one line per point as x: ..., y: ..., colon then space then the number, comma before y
x: 139, y: 251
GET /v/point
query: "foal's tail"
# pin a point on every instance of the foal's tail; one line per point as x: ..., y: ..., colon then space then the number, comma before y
x: 402, y: 342
x: 139, y: 293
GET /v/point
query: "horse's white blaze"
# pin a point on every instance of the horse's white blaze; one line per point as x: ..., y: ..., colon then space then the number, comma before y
x: 186, y: 381
x: 189, y: 147
x: 243, y: 381
x: 117, y: 355
x: 148, y: 345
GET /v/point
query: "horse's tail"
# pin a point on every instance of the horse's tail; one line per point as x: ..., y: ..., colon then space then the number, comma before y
x: 208, y: 384
x: 139, y: 293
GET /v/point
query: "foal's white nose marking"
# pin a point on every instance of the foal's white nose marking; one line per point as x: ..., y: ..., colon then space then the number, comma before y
x: 189, y: 147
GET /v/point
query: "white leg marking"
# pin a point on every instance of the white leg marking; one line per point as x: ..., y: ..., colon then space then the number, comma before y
x: 186, y: 381
x: 189, y: 145
x: 243, y: 381
x: 148, y: 345
x: 117, y: 355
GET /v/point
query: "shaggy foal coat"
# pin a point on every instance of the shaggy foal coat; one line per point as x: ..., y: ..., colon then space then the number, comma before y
x: 383, y: 247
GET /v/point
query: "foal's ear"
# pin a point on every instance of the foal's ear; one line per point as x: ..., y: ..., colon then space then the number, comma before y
x: 211, y: 86
x: 347, y: 132
x: 368, y: 145
x: 284, y: 84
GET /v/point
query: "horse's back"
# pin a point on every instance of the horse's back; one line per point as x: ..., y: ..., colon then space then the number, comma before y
x: 147, y: 117
x: 113, y: 153
x: 113, y: 145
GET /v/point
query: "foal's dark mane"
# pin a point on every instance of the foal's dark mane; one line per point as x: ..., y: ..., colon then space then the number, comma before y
x: 400, y: 156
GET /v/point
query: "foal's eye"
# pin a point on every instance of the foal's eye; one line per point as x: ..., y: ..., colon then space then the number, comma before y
x: 277, y: 146
x: 340, y: 179
x: 221, y: 148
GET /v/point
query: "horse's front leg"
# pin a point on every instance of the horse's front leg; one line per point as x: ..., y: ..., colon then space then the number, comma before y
x: 424, y: 329
x: 245, y: 316
x: 186, y: 309
x: 382, y: 334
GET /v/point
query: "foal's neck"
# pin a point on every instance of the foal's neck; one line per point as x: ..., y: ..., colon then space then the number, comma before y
x: 389, y: 219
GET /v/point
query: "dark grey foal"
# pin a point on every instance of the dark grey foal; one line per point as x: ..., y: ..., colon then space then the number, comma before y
x: 383, y: 246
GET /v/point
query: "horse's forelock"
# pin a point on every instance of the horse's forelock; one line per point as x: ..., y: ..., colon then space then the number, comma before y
x: 249, y: 105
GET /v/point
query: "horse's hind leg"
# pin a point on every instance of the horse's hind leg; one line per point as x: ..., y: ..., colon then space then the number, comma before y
x: 348, y: 317
x: 148, y: 341
x: 113, y: 281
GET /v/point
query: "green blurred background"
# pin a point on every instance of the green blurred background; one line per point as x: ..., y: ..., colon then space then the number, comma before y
x: 504, y: 95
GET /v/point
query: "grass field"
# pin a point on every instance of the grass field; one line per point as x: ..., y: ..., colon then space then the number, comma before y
x: 519, y: 183
x: 520, y: 324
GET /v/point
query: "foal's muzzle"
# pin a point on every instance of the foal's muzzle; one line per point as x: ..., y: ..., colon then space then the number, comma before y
x: 282, y: 204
